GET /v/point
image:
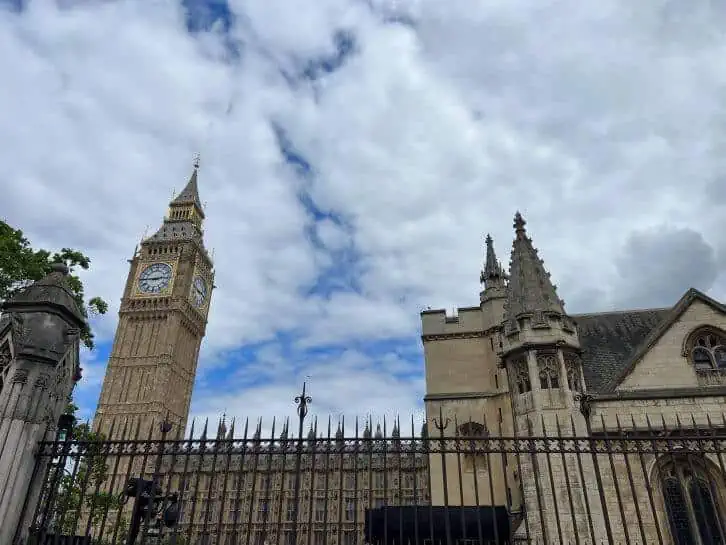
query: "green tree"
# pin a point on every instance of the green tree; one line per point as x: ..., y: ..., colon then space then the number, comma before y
x: 81, y: 493
x: 21, y: 265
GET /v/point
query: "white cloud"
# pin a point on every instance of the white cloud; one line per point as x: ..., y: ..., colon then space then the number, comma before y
x: 598, y: 122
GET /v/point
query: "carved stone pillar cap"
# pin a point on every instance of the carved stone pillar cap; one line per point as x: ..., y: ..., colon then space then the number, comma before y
x: 60, y: 268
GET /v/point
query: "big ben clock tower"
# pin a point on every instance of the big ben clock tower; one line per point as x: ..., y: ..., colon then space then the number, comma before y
x: 162, y: 320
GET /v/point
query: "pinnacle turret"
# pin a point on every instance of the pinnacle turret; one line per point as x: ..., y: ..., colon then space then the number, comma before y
x: 222, y: 427
x: 530, y: 292
x: 185, y: 218
x: 190, y: 193
x: 493, y: 279
x: 492, y: 268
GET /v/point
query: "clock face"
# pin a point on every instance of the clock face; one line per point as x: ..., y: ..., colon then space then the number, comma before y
x: 199, y: 291
x: 155, y: 278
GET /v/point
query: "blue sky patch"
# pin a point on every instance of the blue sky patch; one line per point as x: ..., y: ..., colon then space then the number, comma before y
x: 344, y: 44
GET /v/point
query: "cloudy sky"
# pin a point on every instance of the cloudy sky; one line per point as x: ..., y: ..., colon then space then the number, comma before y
x: 354, y: 154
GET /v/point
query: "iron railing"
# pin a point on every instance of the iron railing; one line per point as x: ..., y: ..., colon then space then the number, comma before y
x: 458, y: 483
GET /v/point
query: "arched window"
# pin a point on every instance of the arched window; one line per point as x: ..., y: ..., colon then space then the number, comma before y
x: 473, y: 430
x: 572, y: 366
x: 476, y: 435
x: 706, y: 348
x: 519, y: 380
x: 691, y: 502
x: 549, y: 376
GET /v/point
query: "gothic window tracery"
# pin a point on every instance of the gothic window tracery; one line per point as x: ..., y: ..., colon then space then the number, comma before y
x: 707, y: 349
x: 549, y: 376
x: 572, y: 367
x: 691, y: 503
x: 520, y: 376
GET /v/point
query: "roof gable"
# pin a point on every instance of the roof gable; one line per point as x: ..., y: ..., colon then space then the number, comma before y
x: 609, y: 338
x: 670, y: 318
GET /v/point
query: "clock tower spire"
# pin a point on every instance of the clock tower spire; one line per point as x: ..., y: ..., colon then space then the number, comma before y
x: 162, y: 320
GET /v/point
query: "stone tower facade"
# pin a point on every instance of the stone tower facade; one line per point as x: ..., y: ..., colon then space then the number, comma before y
x: 512, y: 367
x: 162, y: 320
x: 540, y: 351
x: 466, y: 392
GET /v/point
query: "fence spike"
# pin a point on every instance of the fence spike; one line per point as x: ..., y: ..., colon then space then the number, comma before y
x: 204, y: 431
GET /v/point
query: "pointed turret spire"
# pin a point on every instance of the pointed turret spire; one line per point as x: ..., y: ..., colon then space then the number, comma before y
x: 185, y: 217
x: 339, y: 438
x: 492, y: 268
x: 258, y: 431
x: 190, y: 193
x: 396, y: 434
x: 284, y: 433
x: 530, y: 293
x: 494, y: 283
x: 367, y: 431
x: 222, y: 427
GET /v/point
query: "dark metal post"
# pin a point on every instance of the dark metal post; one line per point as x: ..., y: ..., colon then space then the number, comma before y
x: 586, y: 409
x: 441, y: 424
x: 302, y: 410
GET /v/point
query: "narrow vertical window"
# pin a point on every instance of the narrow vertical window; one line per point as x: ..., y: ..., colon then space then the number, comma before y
x: 549, y: 376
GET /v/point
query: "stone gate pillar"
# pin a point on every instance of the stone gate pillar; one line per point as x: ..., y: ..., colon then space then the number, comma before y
x: 39, y: 366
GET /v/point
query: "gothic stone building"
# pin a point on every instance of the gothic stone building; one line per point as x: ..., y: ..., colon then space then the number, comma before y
x: 519, y: 365
x: 516, y: 365
x: 247, y: 494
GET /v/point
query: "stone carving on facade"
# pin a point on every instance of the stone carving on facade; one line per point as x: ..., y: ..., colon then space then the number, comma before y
x: 42, y: 381
x: 5, y: 359
x: 21, y: 332
x: 20, y: 376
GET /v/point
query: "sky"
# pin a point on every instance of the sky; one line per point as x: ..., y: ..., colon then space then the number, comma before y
x: 354, y: 154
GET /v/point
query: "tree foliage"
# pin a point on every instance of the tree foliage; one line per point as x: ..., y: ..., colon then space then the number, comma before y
x: 79, y: 496
x: 21, y: 265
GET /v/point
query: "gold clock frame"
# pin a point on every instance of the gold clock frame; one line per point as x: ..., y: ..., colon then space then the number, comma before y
x: 204, y: 273
x: 146, y: 264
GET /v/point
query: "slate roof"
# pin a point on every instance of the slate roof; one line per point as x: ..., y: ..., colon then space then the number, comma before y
x: 176, y: 230
x: 609, y: 340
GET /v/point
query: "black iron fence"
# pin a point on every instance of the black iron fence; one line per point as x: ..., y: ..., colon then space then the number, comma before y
x: 452, y: 483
